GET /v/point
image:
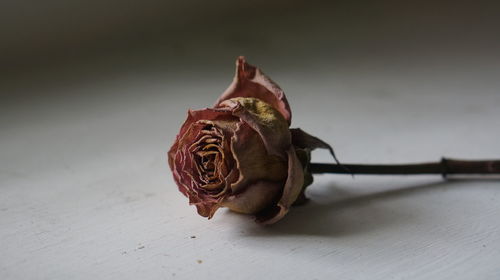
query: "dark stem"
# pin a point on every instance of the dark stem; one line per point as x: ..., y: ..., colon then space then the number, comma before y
x: 444, y: 167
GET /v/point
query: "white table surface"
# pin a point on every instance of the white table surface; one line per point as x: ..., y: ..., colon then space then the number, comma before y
x: 86, y: 193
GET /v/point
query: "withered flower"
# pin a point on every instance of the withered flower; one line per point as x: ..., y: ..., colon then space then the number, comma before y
x: 241, y: 153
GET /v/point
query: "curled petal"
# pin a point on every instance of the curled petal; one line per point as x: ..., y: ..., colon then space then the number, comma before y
x: 249, y: 81
x: 206, y: 209
x: 194, y: 116
x: 253, y: 161
x: 265, y: 120
x: 255, y: 198
x: 291, y: 191
x: 181, y: 161
x: 193, y: 136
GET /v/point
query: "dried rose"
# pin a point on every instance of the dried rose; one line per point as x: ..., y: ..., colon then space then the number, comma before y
x: 241, y: 153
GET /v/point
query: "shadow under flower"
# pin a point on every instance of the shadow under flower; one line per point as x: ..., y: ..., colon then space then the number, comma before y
x: 350, y: 214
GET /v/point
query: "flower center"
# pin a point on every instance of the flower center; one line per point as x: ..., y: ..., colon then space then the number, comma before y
x: 209, y: 157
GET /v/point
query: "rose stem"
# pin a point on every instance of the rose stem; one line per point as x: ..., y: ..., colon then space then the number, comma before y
x: 444, y: 167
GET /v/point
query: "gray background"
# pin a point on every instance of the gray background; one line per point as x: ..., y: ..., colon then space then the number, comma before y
x: 93, y: 94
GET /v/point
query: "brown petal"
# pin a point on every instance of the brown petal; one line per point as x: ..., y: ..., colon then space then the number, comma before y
x: 206, y: 209
x: 253, y: 161
x: 249, y: 81
x: 181, y: 161
x: 184, y: 166
x: 255, y: 198
x: 265, y: 120
x: 291, y: 191
x: 194, y: 116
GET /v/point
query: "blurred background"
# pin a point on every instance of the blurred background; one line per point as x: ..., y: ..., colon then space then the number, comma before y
x: 65, y: 61
x: 310, y: 35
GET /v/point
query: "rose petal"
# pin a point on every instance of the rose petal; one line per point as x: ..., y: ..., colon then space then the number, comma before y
x: 194, y: 116
x: 181, y: 161
x: 253, y: 161
x: 183, y: 165
x: 291, y: 191
x: 206, y: 209
x: 249, y: 81
x: 255, y: 198
x: 265, y: 120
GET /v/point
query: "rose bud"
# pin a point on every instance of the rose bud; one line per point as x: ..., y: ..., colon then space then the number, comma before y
x: 241, y: 153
